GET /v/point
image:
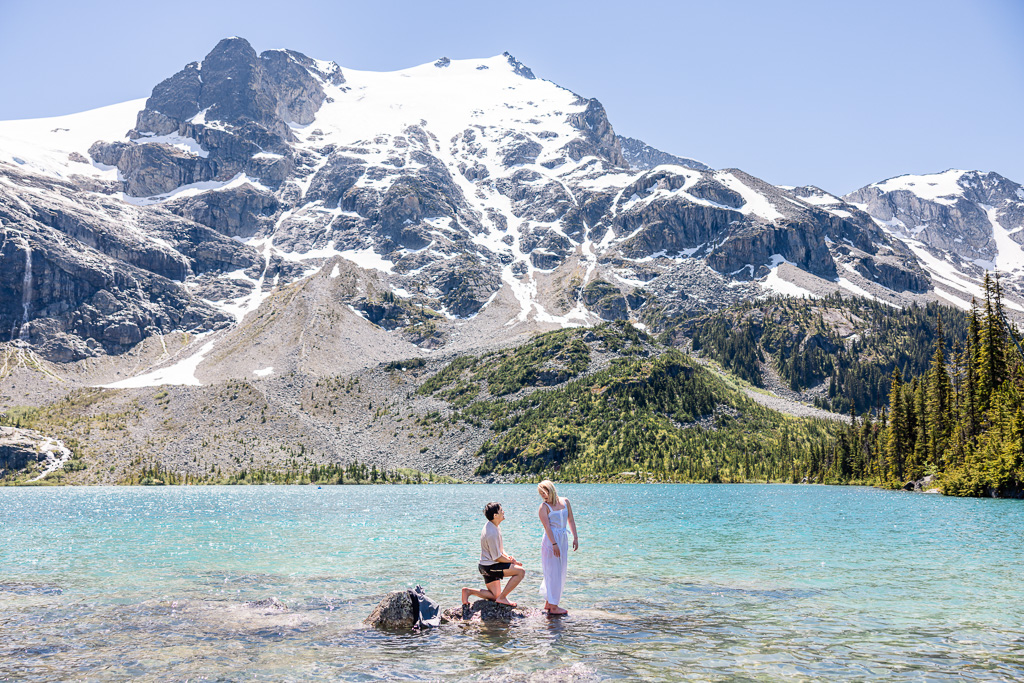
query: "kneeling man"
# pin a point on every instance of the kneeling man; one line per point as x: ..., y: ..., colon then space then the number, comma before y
x: 494, y: 563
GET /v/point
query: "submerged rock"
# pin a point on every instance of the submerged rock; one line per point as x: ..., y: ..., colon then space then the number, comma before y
x: 267, y: 605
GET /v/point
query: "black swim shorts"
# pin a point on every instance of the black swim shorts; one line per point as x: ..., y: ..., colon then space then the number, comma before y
x: 494, y: 572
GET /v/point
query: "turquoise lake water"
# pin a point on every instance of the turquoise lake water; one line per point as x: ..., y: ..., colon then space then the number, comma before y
x: 671, y: 582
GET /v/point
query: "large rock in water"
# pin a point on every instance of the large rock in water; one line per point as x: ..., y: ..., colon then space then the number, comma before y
x: 395, y: 610
x: 487, y: 611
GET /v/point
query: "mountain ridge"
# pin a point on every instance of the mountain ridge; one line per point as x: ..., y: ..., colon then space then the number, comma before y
x: 483, y: 202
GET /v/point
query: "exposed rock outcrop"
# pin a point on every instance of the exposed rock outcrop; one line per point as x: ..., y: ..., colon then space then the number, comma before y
x: 604, y: 299
x: 797, y: 242
x: 235, y: 105
x: 597, y: 139
x: 639, y: 155
x: 18, y: 447
x: 80, y: 279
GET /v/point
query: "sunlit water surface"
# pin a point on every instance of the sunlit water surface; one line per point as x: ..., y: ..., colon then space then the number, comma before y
x: 670, y: 583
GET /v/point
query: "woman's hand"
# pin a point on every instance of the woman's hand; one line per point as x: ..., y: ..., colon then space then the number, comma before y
x: 575, y: 544
x: 555, y: 547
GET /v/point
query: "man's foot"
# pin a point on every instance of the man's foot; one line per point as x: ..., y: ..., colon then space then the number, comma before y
x: 504, y: 601
x: 465, y: 596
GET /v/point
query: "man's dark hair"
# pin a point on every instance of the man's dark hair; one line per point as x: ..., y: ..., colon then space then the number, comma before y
x: 490, y: 510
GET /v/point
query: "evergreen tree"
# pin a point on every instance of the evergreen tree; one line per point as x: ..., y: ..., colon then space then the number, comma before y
x: 897, y: 436
x: 938, y: 403
x: 991, y: 359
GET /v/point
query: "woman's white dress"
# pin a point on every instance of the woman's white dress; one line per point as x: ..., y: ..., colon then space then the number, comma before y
x: 555, y: 568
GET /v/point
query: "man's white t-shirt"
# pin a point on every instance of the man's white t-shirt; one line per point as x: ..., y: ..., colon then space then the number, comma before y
x: 491, y: 547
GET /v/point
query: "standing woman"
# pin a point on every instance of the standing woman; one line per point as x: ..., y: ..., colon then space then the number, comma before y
x: 556, y: 516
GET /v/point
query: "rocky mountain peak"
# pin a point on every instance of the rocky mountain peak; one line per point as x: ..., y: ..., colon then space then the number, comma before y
x: 518, y: 67
x: 972, y: 214
x: 235, y: 88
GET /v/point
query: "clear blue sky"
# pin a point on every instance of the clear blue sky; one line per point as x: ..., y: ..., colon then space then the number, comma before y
x: 836, y: 94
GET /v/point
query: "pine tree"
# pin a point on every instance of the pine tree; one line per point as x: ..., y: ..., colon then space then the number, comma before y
x: 896, y: 443
x: 992, y: 358
x: 937, y: 402
x: 915, y: 464
x: 971, y: 416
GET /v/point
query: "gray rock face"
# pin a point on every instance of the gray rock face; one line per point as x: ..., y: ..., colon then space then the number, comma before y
x: 519, y: 67
x: 796, y: 241
x: 597, y: 139
x: 673, y: 226
x: 81, y: 275
x: 237, y: 90
x: 154, y: 169
x: 639, y: 155
x: 238, y: 212
x: 173, y: 100
x: 951, y: 214
x: 235, y: 104
x: 604, y: 299
x: 465, y: 288
x: 108, y: 153
x: 962, y: 228
x: 296, y: 93
x: 18, y: 447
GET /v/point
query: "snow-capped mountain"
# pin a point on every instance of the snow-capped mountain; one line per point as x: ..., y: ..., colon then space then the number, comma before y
x: 316, y: 215
x: 959, y: 224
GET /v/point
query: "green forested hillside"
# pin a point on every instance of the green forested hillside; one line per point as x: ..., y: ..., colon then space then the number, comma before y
x: 951, y: 405
x: 930, y: 391
x: 848, y: 345
x: 652, y: 411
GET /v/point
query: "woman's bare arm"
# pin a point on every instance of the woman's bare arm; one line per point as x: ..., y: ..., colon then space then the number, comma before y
x: 572, y: 526
x: 547, y: 529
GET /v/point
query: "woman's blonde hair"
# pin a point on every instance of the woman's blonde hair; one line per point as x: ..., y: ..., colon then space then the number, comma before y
x: 549, y: 487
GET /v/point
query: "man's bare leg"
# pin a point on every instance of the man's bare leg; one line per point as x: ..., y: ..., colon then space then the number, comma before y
x: 483, y: 595
x: 494, y: 588
x: 514, y: 575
